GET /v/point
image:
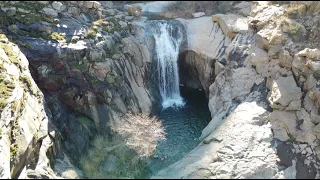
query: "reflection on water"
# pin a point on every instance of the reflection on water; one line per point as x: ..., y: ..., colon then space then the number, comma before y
x: 183, y: 127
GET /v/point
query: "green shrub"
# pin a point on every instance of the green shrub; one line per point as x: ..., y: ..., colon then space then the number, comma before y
x: 91, y: 34
x: 13, y: 150
x: 10, y: 53
x: 128, y: 164
x: 5, y: 91
x: 58, y: 36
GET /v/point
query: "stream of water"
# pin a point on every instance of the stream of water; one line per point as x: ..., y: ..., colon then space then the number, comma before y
x: 183, y: 127
x: 184, y: 111
x: 167, y: 43
x: 183, y: 116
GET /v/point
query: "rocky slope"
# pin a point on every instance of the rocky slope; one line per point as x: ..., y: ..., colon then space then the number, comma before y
x: 89, y: 67
x: 70, y: 69
x: 27, y: 132
x: 264, y: 98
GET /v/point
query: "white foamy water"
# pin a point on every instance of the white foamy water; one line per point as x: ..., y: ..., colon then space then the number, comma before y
x: 167, y: 50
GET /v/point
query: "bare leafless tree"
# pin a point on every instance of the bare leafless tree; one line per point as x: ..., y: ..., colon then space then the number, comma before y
x: 141, y: 133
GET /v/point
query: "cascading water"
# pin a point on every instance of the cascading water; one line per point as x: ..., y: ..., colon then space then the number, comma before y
x: 167, y: 50
x: 183, y: 125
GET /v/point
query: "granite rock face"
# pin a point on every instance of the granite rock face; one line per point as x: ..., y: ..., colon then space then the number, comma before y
x: 88, y: 77
x: 234, y: 149
x: 26, y: 135
x: 259, y: 67
x: 263, y: 66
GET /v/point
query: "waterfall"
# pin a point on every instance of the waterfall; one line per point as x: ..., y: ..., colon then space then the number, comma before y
x: 167, y: 43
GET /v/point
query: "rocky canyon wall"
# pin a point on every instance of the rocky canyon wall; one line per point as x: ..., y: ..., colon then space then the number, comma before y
x: 90, y: 69
x: 263, y: 99
x: 70, y: 69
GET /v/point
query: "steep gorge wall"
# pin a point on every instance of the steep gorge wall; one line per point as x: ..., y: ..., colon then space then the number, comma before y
x: 89, y: 67
x: 27, y: 132
x: 205, y: 45
x: 263, y: 101
x: 261, y: 82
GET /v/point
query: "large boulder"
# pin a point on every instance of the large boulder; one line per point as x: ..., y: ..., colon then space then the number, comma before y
x: 58, y: 6
x: 284, y: 93
x: 206, y: 44
x: 100, y: 69
x: 88, y: 4
x: 205, y: 37
x: 259, y: 59
x: 231, y: 24
x: 229, y: 85
x: 198, y: 14
x: 233, y: 150
x: 283, y: 124
x: 50, y: 12
x: 75, y: 12
x: 310, y: 53
x: 262, y: 12
x: 138, y: 51
x: 133, y: 10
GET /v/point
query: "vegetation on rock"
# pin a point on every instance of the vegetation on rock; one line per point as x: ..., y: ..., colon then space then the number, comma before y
x: 5, y: 91
x: 58, y: 36
x: 126, y: 164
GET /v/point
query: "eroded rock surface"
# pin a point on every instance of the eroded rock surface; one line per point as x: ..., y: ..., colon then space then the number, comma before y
x: 91, y: 71
x: 231, y: 24
x: 242, y: 139
x: 259, y: 67
x: 285, y: 73
x: 27, y: 133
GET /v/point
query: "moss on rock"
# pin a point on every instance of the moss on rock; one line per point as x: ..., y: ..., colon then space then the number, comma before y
x: 58, y: 36
x: 27, y: 13
x: 26, y: 80
x: 91, y: 34
x: 10, y: 53
x: 5, y: 91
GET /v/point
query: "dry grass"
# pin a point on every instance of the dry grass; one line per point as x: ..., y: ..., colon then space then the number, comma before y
x: 289, y: 25
x: 141, y: 133
x: 295, y: 7
x: 91, y: 33
x: 283, y: 20
x: 128, y: 163
x: 96, y: 155
x: 310, y: 7
x: 185, y: 9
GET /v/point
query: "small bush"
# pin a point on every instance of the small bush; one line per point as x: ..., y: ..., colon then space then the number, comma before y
x: 15, y: 105
x: 27, y: 81
x: 14, y: 58
x: 58, y: 36
x: 98, y: 22
x: 141, y: 133
x: 5, y: 91
x: 13, y: 28
x: 13, y: 150
x: 91, y: 34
